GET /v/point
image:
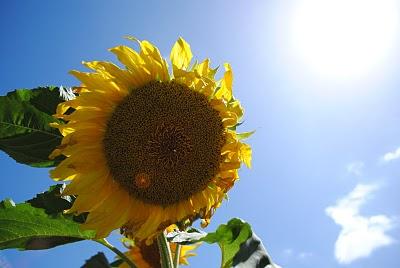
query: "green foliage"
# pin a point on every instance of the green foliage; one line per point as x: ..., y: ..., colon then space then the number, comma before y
x: 116, y: 263
x: 51, y: 200
x: 100, y: 261
x: 39, y: 223
x: 7, y: 203
x: 229, y: 238
x: 25, y: 134
x: 54, y: 203
x: 240, y: 247
x: 97, y: 261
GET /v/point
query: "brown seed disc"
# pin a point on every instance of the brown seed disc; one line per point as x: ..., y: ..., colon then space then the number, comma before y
x: 163, y: 142
x: 150, y: 254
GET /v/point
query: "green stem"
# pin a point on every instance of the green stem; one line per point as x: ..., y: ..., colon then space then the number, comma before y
x: 105, y: 243
x: 176, y: 257
x: 165, y: 251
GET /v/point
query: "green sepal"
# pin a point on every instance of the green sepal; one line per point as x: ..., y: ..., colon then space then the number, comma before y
x: 245, y: 135
x: 235, y: 126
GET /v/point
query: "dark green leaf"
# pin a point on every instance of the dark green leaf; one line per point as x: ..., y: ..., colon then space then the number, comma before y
x: 240, y: 247
x: 100, y: 261
x: 97, y: 261
x: 51, y: 200
x: 7, y: 203
x: 24, y: 226
x: 25, y: 134
x: 117, y: 263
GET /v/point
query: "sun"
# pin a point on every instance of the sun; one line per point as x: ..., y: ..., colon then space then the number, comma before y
x: 344, y: 38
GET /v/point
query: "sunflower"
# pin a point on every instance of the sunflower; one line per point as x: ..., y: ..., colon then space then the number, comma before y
x: 184, y: 253
x: 148, y: 256
x: 146, y: 148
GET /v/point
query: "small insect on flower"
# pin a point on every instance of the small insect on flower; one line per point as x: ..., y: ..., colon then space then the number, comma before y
x: 146, y: 148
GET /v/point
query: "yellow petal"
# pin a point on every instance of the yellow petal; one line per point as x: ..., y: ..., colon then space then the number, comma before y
x: 229, y: 166
x: 235, y: 107
x: 111, y: 70
x: 96, y: 82
x: 225, y: 92
x: 245, y: 154
x: 203, y: 68
x: 127, y: 56
x: 181, y: 54
x: 154, y: 61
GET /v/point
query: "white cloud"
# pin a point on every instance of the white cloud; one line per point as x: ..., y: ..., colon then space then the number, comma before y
x: 391, y: 155
x: 356, y: 168
x: 360, y: 235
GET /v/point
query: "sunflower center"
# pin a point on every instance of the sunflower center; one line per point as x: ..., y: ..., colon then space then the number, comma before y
x: 169, y: 145
x: 163, y: 143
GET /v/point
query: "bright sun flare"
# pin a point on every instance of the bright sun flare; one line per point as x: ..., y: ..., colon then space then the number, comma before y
x: 344, y: 38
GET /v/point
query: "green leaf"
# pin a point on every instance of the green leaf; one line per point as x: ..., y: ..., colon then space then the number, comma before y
x: 7, y: 203
x: 117, y: 263
x: 51, y: 200
x: 240, y: 247
x: 97, y: 261
x: 229, y: 237
x: 25, y: 134
x: 54, y: 203
x: 39, y: 223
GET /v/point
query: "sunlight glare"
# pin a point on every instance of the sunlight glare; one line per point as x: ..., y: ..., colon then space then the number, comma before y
x: 344, y: 38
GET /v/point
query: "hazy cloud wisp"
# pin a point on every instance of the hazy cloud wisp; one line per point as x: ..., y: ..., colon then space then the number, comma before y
x: 391, y: 155
x: 356, y: 168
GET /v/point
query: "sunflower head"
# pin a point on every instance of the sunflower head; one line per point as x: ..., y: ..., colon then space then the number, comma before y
x: 146, y: 147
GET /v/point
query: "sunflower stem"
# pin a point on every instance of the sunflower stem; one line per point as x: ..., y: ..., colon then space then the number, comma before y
x: 165, y: 251
x: 176, y: 257
x: 105, y: 243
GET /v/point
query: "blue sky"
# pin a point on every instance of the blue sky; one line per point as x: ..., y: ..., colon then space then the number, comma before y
x: 323, y: 190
